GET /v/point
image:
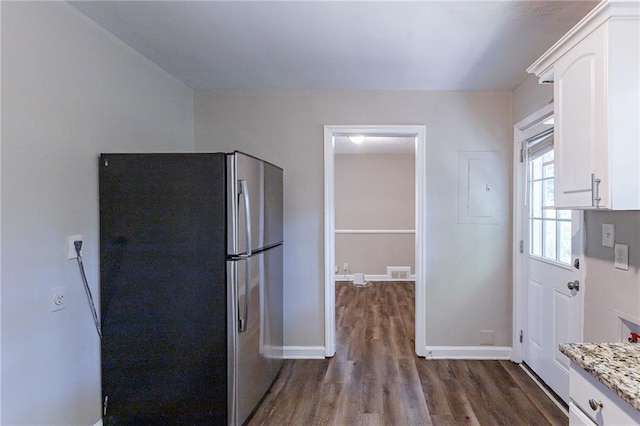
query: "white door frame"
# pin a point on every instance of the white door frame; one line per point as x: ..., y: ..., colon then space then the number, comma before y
x: 419, y: 132
x: 519, y: 178
x: 521, y: 132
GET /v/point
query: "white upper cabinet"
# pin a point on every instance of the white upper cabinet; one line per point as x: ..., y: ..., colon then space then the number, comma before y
x: 595, y: 69
x: 579, y: 115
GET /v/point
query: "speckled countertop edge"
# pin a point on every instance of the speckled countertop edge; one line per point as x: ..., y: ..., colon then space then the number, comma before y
x: 615, y: 365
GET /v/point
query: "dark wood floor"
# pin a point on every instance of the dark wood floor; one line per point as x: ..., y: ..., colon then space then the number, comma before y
x: 375, y: 377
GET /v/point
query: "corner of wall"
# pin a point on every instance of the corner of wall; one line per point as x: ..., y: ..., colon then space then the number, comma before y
x: 70, y: 91
x: 529, y: 97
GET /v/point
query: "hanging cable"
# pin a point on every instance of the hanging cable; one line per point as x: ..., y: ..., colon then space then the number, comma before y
x: 78, y: 246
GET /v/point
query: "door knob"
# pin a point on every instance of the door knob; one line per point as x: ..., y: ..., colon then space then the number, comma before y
x: 573, y: 285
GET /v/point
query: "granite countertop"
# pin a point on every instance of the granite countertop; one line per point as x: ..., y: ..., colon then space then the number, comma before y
x: 615, y: 365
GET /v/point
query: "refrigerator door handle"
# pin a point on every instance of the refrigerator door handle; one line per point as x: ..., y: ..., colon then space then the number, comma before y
x: 244, y: 190
x: 244, y: 319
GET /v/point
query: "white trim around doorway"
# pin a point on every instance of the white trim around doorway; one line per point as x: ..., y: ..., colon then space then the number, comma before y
x: 419, y: 133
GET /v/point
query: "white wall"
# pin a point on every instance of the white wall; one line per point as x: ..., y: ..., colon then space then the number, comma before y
x: 70, y: 90
x: 469, y: 266
x: 371, y: 254
x: 377, y: 192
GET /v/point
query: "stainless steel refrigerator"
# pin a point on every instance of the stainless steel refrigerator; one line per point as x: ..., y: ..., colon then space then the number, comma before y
x: 190, y: 286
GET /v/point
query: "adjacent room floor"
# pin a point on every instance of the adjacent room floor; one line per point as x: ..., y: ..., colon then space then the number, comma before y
x: 375, y: 377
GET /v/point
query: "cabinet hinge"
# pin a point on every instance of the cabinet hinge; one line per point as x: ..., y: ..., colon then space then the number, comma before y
x: 104, y: 406
x: 521, y: 246
x: 521, y: 336
x: 522, y: 153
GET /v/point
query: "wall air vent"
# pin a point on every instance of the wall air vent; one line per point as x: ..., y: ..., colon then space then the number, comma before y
x: 398, y: 272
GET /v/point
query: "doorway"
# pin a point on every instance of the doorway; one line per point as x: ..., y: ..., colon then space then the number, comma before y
x: 417, y: 133
x: 547, y: 269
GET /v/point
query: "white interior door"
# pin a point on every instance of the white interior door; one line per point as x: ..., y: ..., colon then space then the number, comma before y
x: 552, y: 295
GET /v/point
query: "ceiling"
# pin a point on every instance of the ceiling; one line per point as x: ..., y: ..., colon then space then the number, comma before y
x: 393, y: 45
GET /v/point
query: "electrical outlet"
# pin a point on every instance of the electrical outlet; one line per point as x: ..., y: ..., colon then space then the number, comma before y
x: 346, y: 267
x: 71, y: 248
x: 621, y: 260
x: 57, y: 300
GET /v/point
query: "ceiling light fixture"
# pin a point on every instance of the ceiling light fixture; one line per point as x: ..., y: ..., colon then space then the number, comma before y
x: 357, y: 139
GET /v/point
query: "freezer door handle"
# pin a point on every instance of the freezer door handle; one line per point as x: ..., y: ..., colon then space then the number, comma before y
x: 244, y: 190
x: 243, y: 314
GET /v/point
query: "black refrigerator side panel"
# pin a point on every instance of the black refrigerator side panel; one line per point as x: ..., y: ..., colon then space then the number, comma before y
x: 163, y: 288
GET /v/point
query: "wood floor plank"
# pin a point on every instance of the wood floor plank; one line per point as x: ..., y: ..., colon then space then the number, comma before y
x: 376, y: 379
x: 445, y: 395
x: 495, y: 397
x: 433, y: 387
x: 545, y: 406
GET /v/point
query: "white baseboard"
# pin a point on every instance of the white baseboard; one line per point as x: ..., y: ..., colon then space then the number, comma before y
x: 433, y: 352
x: 372, y: 277
x: 468, y: 352
x: 304, y: 352
x: 98, y: 423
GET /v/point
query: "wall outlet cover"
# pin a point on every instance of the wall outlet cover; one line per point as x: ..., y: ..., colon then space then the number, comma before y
x: 57, y: 299
x: 621, y: 256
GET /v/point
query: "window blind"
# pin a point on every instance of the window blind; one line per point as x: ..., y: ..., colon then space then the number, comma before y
x: 539, y: 144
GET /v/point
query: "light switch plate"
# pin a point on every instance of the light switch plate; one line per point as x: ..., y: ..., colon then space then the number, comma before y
x: 621, y: 260
x: 608, y: 235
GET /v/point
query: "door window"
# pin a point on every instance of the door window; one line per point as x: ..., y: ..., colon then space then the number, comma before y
x: 550, y: 229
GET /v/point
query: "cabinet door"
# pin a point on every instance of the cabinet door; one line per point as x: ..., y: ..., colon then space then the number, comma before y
x: 610, y: 409
x: 580, y: 143
x: 577, y: 417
